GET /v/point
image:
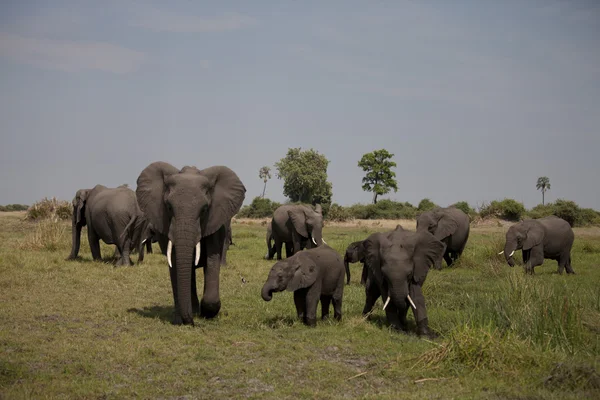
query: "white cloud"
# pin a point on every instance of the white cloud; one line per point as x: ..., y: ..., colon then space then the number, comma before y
x: 165, y: 21
x: 70, y: 56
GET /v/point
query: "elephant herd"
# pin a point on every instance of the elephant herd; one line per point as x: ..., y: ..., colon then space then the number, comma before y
x: 188, y: 212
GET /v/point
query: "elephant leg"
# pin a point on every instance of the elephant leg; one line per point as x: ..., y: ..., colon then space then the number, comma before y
x: 211, y: 303
x: 438, y: 262
x: 336, y: 299
x: 125, y: 249
x: 177, y: 320
x: 296, y: 241
x: 448, y: 258
x: 372, y: 293
x: 312, y: 301
x: 420, y: 313
x: 568, y: 265
x: 536, y: 258
x: 163, y: 242
x: 278, y: 245
x: 289, y: 250
x: 148, y: 246
x: 194, y: 292
x: 94, y: 242
x: 300, y: 302
x: 325, y: 302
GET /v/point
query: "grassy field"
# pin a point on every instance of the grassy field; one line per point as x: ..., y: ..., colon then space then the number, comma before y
x: 84, y: 329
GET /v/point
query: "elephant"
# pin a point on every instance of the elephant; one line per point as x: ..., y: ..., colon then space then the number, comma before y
x: 296, y: 225
x: 549, y: 237
x: 312, y: 274
x: 227, y: 243
x: 190, y: 210
x: 451, y: 226
x: 397, y: 264
x: 110, y: 214
x: 288, y: 246
x: 355, y: 252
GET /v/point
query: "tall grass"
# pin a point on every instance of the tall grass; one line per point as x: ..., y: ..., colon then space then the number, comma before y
x: 48, y: 234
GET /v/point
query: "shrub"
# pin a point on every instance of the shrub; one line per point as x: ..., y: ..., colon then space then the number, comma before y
x: 426, y: 205
x: 567, y: 210
x: 541, y: 211
x: 384, y: 209
x: 259, y: 208
x: 338, y: 213
x: 49, y: 234
x: 50, y: 209
x: 588, y: 216
x: 14, y: 207
x: 507, y: 209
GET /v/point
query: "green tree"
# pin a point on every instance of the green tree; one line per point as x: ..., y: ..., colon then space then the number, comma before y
x: 426, y: 205
x: 543, y: 184
x: 305, y: 177
x: 380, y: 179
x: 265, y: 174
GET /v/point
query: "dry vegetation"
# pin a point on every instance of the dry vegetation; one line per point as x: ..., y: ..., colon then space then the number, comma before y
x: 85, y: 329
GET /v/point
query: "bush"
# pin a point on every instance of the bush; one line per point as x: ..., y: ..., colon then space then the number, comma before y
x: 567, y: 210
x: 259, y: 208
x: 50, y: 234
x: 466, y: 208
x: 384, y: 209
x: 507, y: 209
x: 338, y: 213
x: 50, y: 209
x: 426, y: 205
x: 14, y: 207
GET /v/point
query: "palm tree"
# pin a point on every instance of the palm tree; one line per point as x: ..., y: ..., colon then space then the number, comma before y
x: 265, y: 174
x: 543, y: 184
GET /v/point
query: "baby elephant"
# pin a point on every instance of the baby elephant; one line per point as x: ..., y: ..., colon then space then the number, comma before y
x: 355, y: 253
x: 314, y: 274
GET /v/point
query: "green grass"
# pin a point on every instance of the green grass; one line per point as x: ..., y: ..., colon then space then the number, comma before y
x: 84, y: 329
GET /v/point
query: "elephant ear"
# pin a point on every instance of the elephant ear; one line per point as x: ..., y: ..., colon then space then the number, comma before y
x: 305, y: 274
x: 228, y: 194
x: 446, y: 226
x: 298, y: 218
x: 535, y: 236
x: 372, y: 248
x: 427, y: 249
x: 150, y: 194
x: 79, y: 203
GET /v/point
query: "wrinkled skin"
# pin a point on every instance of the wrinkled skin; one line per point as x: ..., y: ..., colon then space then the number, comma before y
x: 188, y: 207
x: 397, y: 265
x: 313, y: 275
x: 449, y: 225
x: 355, y: 252
x: 297, y: 226
x: 538, y: 239
x: 110, y: 214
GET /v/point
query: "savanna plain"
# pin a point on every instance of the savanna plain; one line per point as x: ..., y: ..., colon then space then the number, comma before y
x: 87, y: 330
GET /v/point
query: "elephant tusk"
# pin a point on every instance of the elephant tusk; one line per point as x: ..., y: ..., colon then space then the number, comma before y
x: 502, y: 252
x: 386, y: 302
x: 511, y: 254
x: 169, y: 248
x: 197, y: 254
x: 323, y: 240
x: 411, y: 302
x: 313, y: 239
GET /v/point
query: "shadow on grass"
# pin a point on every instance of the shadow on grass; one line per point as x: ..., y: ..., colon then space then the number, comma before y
x: 163, y: 313
x: 282, y: 321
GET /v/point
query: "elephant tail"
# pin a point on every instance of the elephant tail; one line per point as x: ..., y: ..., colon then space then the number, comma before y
x: 129, y: 227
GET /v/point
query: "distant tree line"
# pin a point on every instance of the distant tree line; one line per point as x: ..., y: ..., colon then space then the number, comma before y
x: 14, y: 207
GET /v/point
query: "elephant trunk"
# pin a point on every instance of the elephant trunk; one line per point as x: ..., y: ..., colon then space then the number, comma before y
x: 399, y: 296
x: 267, y: 291
x: 76, y: 239
x: 317, y: 235
x: 184, y: 258
x: 509, y: 249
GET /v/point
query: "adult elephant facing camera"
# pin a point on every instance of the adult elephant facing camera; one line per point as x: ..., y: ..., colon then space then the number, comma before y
x: 397, y: 264
x: 190, y: 209
x: 297, y: 226
x: 451, y: 226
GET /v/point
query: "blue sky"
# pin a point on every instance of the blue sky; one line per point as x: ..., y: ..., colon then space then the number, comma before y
x: 476, y: 99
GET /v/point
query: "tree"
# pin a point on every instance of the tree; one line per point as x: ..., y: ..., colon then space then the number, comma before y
x: 543, y: 184
x: 305, y: 177
x: 380, y: 179
x: 265, y: 174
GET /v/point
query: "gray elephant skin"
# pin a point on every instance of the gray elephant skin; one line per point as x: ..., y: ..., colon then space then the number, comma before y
x: 397, y: 265
x: 190, y: 210
x: 355, y: 252
x: 111, y: 215
x: 449, y: 225
x: 297, y: 226
x: 538, y: 239
x: 313, y: 275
